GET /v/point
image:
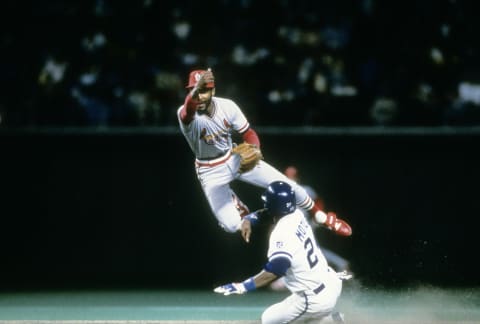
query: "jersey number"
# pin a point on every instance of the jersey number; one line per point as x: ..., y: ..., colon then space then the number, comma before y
x: 311, y: 257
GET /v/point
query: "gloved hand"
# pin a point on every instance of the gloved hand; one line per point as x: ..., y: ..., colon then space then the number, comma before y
x: 250, y: 155
x: 236, y: 287
x: 231, y: 288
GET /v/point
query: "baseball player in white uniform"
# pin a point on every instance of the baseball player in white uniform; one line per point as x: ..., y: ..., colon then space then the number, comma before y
x: 293, y: 254
x: 208, y: 122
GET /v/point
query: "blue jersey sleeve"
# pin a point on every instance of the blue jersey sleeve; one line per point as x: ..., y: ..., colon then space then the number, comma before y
x: 278, y: 266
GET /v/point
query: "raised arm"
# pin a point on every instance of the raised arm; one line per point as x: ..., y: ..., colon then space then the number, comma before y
x: 187, y: 113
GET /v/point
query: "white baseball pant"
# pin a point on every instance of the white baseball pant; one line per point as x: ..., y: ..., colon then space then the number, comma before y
x: 216, y: 175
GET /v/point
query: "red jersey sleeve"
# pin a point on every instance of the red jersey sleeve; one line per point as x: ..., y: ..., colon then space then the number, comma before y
x: 187, y: 113
x: 250, y: 136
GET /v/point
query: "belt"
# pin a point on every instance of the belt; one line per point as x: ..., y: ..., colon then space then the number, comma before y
x: 319, y: 288
x: 213, y: 162
x: 219, y: 155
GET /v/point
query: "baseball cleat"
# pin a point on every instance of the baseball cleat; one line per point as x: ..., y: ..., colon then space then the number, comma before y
x: 339, y: 226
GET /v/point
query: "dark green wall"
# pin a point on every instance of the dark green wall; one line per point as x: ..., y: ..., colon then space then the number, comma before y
x: 126, y: 210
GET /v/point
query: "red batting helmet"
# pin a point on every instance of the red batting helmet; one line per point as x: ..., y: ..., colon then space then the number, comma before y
x: 195, y: 76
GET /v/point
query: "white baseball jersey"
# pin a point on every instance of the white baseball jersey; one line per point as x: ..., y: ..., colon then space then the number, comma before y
x: 210, y: 136
x: 314, y: 285
x: 293, y: 238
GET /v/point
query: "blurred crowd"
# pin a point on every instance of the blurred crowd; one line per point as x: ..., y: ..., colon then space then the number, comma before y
x: 285, y: 62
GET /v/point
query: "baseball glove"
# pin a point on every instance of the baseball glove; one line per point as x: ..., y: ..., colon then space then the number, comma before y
x: 250, y: 154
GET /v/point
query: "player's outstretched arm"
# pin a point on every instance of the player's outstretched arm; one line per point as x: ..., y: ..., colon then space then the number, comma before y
x: 263, y: 278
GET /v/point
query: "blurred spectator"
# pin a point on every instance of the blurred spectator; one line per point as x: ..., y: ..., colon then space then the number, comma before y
x: 465, y: 107
x: 341, y: 63
x: 51, y: 103
x: 92, y: 97
x: 384, y: 111
x: 52, y: 73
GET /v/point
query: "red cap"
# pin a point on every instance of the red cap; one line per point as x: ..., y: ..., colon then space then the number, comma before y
x: 195, y: 76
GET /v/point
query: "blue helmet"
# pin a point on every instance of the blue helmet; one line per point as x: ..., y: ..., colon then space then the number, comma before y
x: 279, y: 198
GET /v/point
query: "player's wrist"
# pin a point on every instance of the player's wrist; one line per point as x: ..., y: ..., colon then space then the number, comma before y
x: 252, y: 218
x: 249, y: 284
x: 194, y: 92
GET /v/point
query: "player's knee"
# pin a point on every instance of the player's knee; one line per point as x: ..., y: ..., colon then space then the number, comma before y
x: 229, y: 227
x: 264, y: 318
x: 267, y: 318
x: 298, y: 189
x: 229, y: 219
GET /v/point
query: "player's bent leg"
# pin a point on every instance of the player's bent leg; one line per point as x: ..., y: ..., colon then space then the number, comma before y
x: 266, y: 174
x: 241, y: 207
x: 223, y: 207
x: 286, y: 311
x: 229, y: 218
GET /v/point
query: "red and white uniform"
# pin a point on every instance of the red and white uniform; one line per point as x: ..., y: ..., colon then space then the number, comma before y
x: 210, y: 138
